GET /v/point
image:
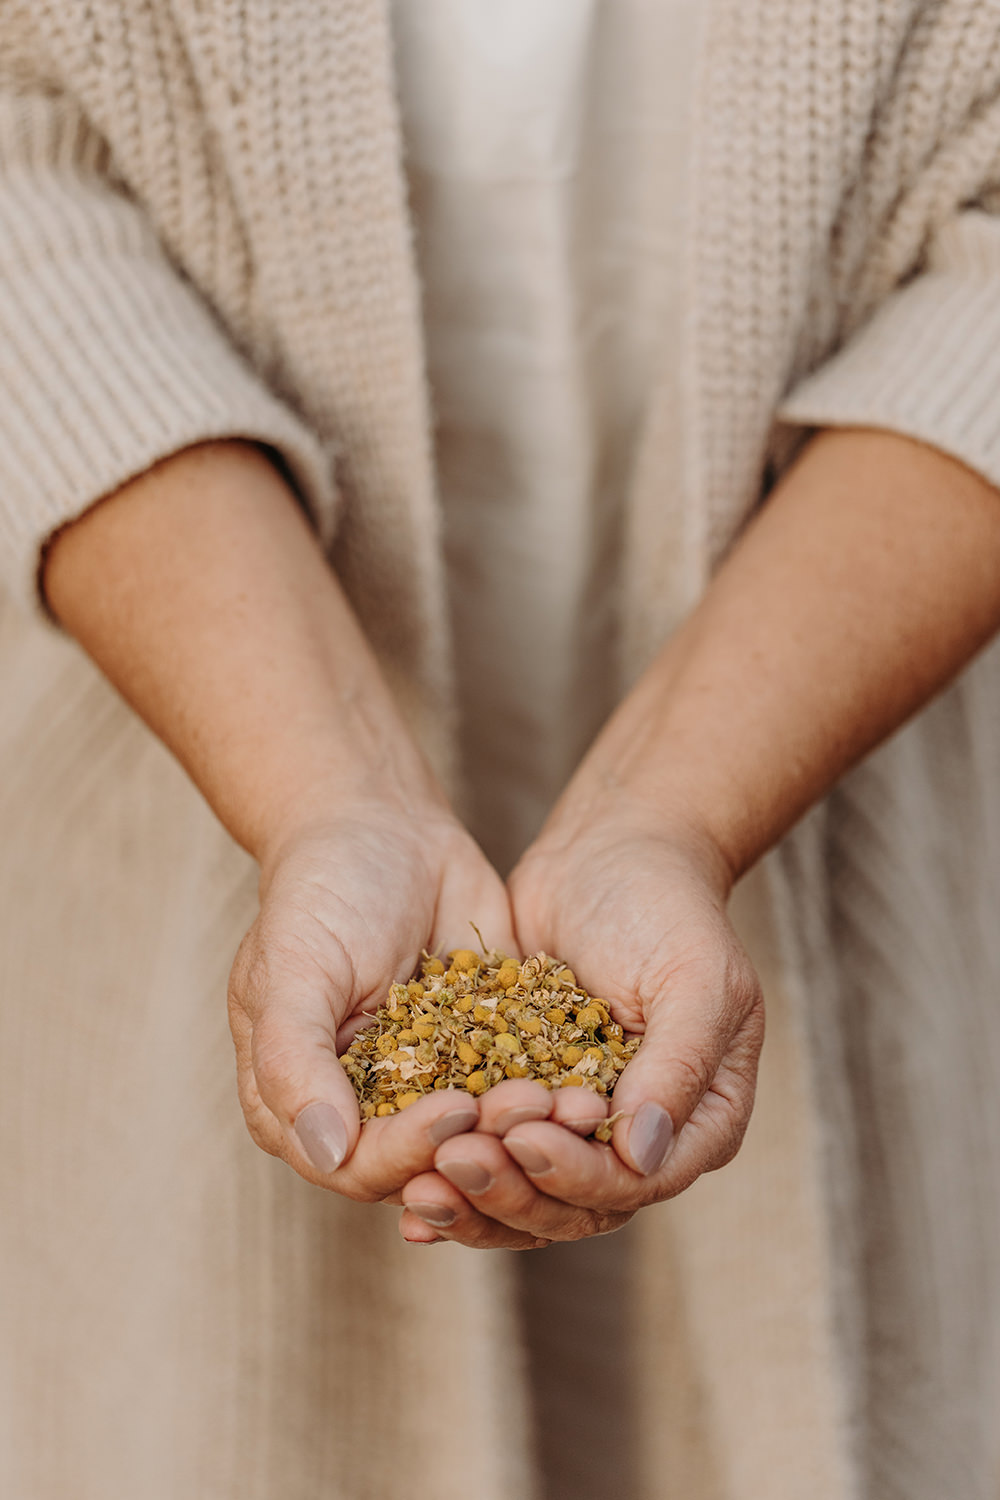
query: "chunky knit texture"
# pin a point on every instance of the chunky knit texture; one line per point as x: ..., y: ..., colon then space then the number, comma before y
x: 203, y: 231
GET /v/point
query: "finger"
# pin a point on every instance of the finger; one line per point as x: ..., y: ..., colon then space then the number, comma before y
x: 692, y: 1026
x: 434, y: 1204
x: 393, y: 1150
x: 511, y: 1103
x: 299, y: 1103
x: 581, y: 1110
x: 483, y: 900
x: 580, y: 1173
x: 482, y: 1170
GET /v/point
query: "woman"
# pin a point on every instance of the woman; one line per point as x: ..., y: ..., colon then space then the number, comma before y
x: 206, y: 255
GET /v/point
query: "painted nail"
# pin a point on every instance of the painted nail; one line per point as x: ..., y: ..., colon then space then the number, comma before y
x: 649, y: 1138
x: 467, y: 1176
x: 322, y: 1135
x: 453, y: 1123
x: 527, y: 1156
x: 434, y: 1214
x: 519, y: 1115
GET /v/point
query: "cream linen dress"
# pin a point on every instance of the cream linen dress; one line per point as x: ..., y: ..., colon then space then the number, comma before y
x: 542, y: 143
x: 548, y: 154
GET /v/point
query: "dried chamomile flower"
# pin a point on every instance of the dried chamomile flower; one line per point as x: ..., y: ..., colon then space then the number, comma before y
x: 478, y: 1019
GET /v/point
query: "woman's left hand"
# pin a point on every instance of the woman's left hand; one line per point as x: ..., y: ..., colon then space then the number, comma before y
x: 639, y: 912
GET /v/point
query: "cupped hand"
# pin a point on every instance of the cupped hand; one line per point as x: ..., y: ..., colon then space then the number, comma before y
x: 639, y: 912
x: 346, y: 907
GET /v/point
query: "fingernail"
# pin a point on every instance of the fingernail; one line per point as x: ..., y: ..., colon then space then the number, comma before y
x: 434, y: 1214
x: 322, y: 1136
x: 453, y: 1123
x: 649, y: 1138
x: 519, y: 1115
x: 529, y: 1157
x: 467, y: 1176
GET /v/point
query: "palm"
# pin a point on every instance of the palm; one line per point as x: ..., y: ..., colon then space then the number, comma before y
x: 656, y: 943
x: 345, y: 912
x: 358, y: 902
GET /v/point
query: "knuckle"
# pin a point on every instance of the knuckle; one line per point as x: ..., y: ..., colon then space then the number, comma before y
x: 693, y: 1073
x: 728, y: 1142
x: 278, y: 1071
x: 742, y: 984
x: 260, y: 1124
x: 581, y: 1224
x: 608, y: 1223
x: 362, y: 1192
x: 248, y: 978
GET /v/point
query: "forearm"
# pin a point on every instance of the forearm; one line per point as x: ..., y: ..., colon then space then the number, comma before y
x: 200, y: 591
x: 868, y: 580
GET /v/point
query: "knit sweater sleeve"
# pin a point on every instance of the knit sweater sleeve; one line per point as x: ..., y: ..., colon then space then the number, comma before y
x: 109, y: 359
x: 927, y: 363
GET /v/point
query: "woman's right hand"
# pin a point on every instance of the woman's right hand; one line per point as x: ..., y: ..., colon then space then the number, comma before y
x: 347, y: 904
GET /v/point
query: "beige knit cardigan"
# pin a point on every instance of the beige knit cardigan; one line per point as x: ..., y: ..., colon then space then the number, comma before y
x: 203, y: 232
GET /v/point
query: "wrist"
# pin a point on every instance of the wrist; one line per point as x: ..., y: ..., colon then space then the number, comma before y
x: 397, y: 792
x: 600, y: 809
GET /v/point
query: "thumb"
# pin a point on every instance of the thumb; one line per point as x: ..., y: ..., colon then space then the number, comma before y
x: 298, y: 1101
x: 689, y: 1089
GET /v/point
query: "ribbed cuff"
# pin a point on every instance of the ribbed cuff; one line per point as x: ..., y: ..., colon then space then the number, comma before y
x: 927, y: 364
x: 109, y: 363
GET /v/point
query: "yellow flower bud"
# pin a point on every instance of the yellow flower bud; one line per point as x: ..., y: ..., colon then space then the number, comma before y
x: 571, y: 1080
x: 403, y: 1101
x: 464, y: 960
x: 385, y: 1109
x: 477, y: 1083
x: 589, y: 1017
x: 556, y: 1015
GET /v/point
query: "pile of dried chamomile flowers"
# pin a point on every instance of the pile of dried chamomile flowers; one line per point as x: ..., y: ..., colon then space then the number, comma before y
x: 479, y: 1021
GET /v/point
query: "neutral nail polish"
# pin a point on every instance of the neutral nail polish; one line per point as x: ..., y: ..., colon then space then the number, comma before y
x: 322, y: 1135
x: 453, y: 1123
x: 467, y: 1176
x: 649, y: 1137
x: 434, y: 1214
x: 527, y: 1156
